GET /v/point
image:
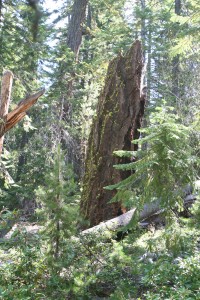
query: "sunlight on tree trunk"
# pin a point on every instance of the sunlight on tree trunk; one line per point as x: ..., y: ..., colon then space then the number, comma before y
x: 6, y: 87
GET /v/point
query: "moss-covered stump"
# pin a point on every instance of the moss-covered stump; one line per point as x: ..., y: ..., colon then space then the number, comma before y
x: 119, y: 113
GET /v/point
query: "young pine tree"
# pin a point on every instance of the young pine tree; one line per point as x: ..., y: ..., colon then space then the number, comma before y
x: 58, y: 206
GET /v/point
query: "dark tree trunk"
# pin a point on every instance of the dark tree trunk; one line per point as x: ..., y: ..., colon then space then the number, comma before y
x: 57, y: 241
x: 178, y: 7
x: 22, y: 156
x: 145, y: 37
x: 176, y: 60
x: 119, y: 113
x: 175, y: 77
x: 143, y: 24
x: 1, y: 6
x: 87, y: 57
x: 74, y: 37
x: 1, y: 30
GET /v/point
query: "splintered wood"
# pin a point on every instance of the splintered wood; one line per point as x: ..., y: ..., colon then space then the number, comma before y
x: 9, y: 120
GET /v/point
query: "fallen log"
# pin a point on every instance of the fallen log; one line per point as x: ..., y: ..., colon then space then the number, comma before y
x: 113, y: 224
x: 150, y: 210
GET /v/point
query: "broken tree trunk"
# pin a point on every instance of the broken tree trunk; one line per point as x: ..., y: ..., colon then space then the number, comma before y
x: 6, y: 87
x: 119, y: 114
x: 20, y: 111
x: 9, y: 120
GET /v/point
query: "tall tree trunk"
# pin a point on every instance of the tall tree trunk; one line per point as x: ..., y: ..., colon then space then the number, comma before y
x: 1, y: 6
x: 176, y: 61
x: 74, y: 37
x: 118, y: 119
x: 87, y: 56
x: 22, y: 156
x: 178, y: 7
x: 148, y: 74
x: 143, y: 24
x: 1, y: 33
x: 149, y: 63
x: 146, y: 54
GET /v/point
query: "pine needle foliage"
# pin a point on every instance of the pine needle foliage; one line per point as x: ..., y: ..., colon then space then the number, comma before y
x: 161, y: 171
x: 58, y: 205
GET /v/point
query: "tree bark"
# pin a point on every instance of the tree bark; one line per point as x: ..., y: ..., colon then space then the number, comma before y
x: 1, y: 6
x: 176, y: 60
x: 74, y: 37
x: 118, y: 119
x: 178, y: 7
x: 111, y: 225
x: 6, y: 87
x: 22, y: 156
x: 143, y: 24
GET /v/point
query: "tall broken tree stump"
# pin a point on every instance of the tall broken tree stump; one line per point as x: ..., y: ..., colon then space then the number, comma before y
x: 9, y: 119
x: 6, y: 87
x: 119, y: 115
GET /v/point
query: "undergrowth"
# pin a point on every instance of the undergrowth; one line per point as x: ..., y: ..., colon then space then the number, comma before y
x: 161, y: 264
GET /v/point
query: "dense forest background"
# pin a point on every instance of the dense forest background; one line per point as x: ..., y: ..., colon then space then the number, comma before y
x: 66, y: 46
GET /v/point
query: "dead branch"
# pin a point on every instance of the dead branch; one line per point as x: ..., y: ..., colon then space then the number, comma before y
x: 20, y: 111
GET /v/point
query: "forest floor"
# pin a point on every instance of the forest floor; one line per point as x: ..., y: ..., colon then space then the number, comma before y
x: 28, y: 227
x: 147, y: 264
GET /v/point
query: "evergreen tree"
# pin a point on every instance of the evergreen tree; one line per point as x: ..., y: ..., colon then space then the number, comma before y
x: 58, y: 203
x: 163, y: 170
